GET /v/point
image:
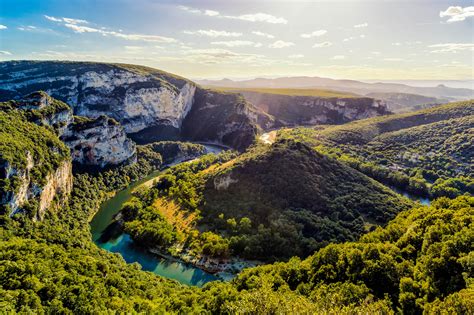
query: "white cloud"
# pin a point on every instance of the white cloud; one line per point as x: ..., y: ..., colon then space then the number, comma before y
x: 323, y: 44
x: 296, y: 56
x: 74, y: 25
x: 375, y: 52
x: 314, y: 34
x: 52, y: 18
x: 393, y: 59
x: 5, y: 53
x: 263, y: 34
x: 361, y: 25
x: 134, y: 37
x: 27, y: 28
x: 3, y: 27
x: 451, y: 48
x: 254, y: 17
x: 66, y: 20
x: 213, y: 33
x: 258, y: 17
x: 457, y: 14
x: 211, y: 13
x: 74, y: 21
x: 338, y: 57
x: 237, y: 43
x: 281, y: 44
x: 82, y: 28
x: 362, y: 36
x: 396, y: 44
x: 189, y: 9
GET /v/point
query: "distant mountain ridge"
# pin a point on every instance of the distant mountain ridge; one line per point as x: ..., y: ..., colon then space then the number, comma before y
x: 351, y: 86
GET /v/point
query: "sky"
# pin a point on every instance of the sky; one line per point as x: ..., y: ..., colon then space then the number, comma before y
x: 386, y: 40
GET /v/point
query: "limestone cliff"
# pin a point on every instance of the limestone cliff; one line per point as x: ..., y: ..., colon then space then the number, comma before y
x: 224, y: 118
x: 98, y: 142
x: 151, y: 105
x: 35, y: 166
x: 291, y: 110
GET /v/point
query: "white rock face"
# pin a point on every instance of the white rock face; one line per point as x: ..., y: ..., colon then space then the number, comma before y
x: 59, y: 182
x: 135, y: 100
x: 147, y: 105
x: 100, y: 143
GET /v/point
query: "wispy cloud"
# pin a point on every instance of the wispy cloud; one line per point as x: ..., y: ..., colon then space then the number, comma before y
x: 219, y: 56
x: 3, y: 27
x: 451, y: 47
x: 76, y: 25
x: 296, y: 56
x: 263, y: 34
x: 213, y: 33
x: 197, y: 11
x: 314, y: 34
x: 457, y: 14
x: 281, y: 44
x: 323, y: 44
x: 361, y: 25
x: 237, y: 43
x: 5, y: 53
x: 253, y: 17
x: 259, y: 17
x: 66, y: 20
x: 338, y: 57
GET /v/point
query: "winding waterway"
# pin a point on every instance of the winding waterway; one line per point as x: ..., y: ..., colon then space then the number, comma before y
x: 107, y: 235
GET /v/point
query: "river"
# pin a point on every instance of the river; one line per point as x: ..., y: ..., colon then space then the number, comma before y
x: 107, y: 235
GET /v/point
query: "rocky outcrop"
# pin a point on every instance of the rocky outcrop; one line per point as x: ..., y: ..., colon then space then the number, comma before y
x: 57, y: 184
x: 151, y: 105
x: 290, y: 110
x: 137, y: 97
x: 98, y: 142
x: 224, y: 118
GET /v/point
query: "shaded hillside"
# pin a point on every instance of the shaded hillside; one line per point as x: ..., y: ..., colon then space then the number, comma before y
x: 224, y: 117
x: 404, y: 102
x: 270, y: 203
x: 422, y: 151
x: 150, y: 104
x: 293, y: 107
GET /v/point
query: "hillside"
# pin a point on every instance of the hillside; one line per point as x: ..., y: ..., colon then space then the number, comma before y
x: 290, y: 92
x: 352, y: 86
x: 35, y: 166
x: 404, y: 102
x: 150, y: 104
x: 269, y: 203
x: 426, y: 152
x: 296, y: 107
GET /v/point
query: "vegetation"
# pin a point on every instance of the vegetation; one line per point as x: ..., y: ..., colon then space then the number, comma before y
x: 271, y: 202
x: 172, y: 150
x: 268, y: 204
x: 426, y: 152
x: 21, y: 140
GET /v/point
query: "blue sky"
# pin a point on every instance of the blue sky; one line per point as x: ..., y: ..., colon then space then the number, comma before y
x: 215, y: 39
